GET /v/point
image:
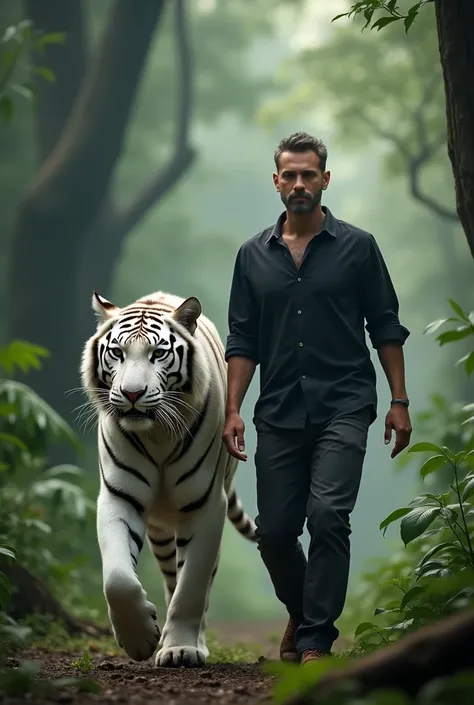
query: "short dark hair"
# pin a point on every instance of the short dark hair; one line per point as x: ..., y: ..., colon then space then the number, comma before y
x: 302, y: 142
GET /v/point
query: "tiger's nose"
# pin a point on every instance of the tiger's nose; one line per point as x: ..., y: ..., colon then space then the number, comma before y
x: 133, y: 396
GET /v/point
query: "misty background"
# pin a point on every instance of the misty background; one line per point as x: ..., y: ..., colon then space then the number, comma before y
x: 259, y: 71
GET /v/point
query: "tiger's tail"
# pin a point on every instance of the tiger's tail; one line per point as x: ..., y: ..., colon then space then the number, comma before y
x: 239, y: 517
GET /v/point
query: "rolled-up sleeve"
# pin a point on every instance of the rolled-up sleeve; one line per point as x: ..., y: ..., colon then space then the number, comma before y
x: 243, y: 315
x: 380, y: 302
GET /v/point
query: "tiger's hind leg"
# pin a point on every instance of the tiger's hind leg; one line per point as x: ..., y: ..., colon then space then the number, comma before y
x: 202, y: 644
x: 183, y: 641
x: 163, y: 546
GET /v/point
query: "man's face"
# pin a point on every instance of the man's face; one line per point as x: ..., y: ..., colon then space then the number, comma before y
x: 300, y: 181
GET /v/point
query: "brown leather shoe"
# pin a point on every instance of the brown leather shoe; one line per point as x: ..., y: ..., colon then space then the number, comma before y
x: 288, y: 650
x: 311, y: 655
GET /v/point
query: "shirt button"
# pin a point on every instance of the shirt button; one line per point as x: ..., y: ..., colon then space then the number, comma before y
x: 299, y: 279
x: 300, y: 344
x: 303, y: 376
x: 299, y: 311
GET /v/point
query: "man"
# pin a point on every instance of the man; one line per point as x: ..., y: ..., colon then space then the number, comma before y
x: 301, y: 293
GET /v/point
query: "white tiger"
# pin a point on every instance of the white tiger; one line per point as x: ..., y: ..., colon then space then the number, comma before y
x: 155, y: 373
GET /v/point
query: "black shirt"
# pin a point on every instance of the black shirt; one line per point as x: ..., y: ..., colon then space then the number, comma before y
x: 305, y: 327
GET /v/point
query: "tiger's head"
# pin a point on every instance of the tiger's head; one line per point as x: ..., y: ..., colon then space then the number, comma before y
x: 143, y: 367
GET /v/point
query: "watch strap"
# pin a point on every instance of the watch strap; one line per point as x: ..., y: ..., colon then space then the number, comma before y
x: 403, y: 401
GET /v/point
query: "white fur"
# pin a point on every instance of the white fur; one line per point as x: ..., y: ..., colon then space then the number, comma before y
x: 145, y: 446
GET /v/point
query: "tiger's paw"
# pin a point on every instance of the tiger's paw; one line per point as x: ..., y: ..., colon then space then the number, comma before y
x: 174, y: 656
x: 133, y: 620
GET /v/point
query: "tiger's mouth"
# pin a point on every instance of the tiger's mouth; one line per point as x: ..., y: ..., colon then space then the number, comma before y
x: 135, y: 414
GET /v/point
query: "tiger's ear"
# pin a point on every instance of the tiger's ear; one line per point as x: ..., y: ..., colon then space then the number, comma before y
x: 188, y: 313
x: 103, y: 308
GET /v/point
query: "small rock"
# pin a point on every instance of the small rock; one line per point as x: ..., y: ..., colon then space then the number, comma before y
x: 107, y: 666
x: 241, y: 690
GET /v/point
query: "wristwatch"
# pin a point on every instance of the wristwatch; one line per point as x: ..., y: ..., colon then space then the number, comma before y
x: 404, y: 402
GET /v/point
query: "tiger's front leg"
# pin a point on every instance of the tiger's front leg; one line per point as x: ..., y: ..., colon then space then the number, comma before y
x: 183, y: 641
x: 122, y: 507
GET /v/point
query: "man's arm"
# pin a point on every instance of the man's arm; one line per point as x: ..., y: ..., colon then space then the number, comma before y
x: 388, y: 335
x: 241, y: 355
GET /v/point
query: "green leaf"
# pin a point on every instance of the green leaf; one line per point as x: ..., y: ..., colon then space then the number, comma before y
x: 438, y: 549
x: 32, y: 407
x: 468, y: 489
x: 434, y: 325
x: 469, y: 364
x: 432, y: 464
x: 52, y: 38
x: 383, y: 22
x: 458, y: 310
x: 6, y: 108
x: 425, y: 447
x: 338, y: 17
x: 22, y: 354
x: 408, y: 21
x: 451, y: 336
x: 7, y: 552
x: 397, y: 514
x: 364, y: 627
x: 45, y: 73
x: 430, y: 568
x: 410, y: 595
x: 13, y: 441
x: 416, y: 522
x: 23, y: 90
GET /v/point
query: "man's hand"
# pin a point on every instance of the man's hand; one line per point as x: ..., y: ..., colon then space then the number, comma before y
x: 233, y: 436
x: 398, y: 420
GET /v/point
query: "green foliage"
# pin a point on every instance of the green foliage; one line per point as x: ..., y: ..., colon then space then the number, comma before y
x: 17, y: 42
x: 463, y: 329
x: 293, y: 680
x: 34, y: 511
x: 235, y: 653
x: 39, y: 500
x: 436, y: 526
x: 368, y: 8
x: 84, y: 663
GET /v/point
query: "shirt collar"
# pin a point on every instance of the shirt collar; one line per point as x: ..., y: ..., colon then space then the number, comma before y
x: 330, y: 225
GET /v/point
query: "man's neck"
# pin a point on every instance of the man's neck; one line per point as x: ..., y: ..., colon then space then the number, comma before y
x: 303, y: 225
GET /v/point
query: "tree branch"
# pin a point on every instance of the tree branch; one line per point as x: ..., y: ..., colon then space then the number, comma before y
x: 95, y: 131
x: 414, y: 163
x: 414, y: 166
x: 183, y: 154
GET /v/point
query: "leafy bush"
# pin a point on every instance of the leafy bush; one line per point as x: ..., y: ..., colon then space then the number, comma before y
x: 437, y: 527
x: 39, y: 500
x: 17, y: 41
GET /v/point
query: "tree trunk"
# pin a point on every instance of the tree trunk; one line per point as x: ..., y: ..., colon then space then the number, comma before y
x: 69, y: 233
x: 30, y: 596
x: 455, y: 22
x: 436, y: 651
x: 63, y: 203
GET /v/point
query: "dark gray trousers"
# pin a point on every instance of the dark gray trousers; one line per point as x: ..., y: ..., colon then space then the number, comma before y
x: 311, y: 474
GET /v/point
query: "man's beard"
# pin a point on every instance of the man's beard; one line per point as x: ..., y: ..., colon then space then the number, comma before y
x: 309, y: 204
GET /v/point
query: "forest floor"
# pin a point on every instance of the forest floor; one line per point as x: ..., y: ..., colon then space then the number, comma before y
x: 236, y: 675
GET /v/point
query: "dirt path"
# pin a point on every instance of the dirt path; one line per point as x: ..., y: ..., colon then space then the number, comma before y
x: 125, y: 681
x: 122, y: 680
